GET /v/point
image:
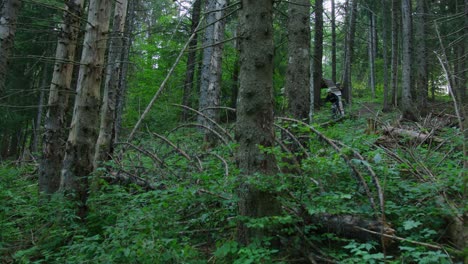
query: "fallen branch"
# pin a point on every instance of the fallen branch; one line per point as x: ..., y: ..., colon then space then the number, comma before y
x: 406, y: 133
x: 204, y: 127
x: 399, y: 238
x: 183, y: 153
x: 348, y: 161
x: 207, y: 118
x: 163, y: 85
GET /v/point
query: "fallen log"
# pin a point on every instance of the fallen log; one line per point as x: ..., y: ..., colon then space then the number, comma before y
x: 351, y: 226
x: 413, y: 135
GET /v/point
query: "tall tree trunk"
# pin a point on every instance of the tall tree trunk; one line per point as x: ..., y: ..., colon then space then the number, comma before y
x: 104, y: 145
x: 386, y: 88
x: 371, y: 52
x: 407, y: 105
x: 318, y: 52
x: 394, y: 60
x: 234, y: 88
x: 421, y: 56
x: 9, y: 10
x: 122, y: 89
x: 254, y: 127
x: 53, y: 149
x: 79, y: 153
x: 333, y: 35
x: 349, y: 49
x: 297, y: 75
x: 210, y: 89
x: 40, y: 108
x: 191, y: 61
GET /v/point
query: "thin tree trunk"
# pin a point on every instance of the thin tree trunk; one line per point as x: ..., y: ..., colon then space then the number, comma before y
x: 297, y: 75
x: 421, y: 79
x: 79, y: 153
x: 122, y: 89
x: 394, y: 60
x: 53, y: 148
x: 385, y: 21
x: 104, y: 145
x: 234, y: 88
x: 333, y: 32
x: 371, y: 52
x: 254, y: 127
x: 9, y: 10
x: 407, y: 106
x: 318, y: 53
x: 40, y: 109
x: 210, y: 90
x: 349, y: 49
x: 191, y: 61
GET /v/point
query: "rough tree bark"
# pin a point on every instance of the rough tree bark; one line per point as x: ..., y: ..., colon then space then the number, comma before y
x: 191, y: 61
x: 349, y: 49
x: 421, y: 77
x: 407, y: 106
x: 254, y: 125
x: 333, y: 35
x: 122, y: 89
x: 104, y: 145
x: 394, y: 59
x: 79, y: 153
x: 9, y: 10
x: 318, y: 53
x: 297, y: 75
x: 371, y: 51
x: 59, y: 91
x: 385, y: 21
x: 210, y: 88
x: 40, y: 108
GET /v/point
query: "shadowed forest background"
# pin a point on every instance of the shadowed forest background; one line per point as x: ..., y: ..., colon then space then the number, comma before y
x: 201, y: 131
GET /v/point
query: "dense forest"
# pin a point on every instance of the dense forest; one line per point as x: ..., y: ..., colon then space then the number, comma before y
x: 218, y: 131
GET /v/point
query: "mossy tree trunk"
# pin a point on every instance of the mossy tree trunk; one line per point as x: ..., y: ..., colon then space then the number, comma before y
x: 297, y: 75
x: 318, y: 53
x: 407, y: 104
x: 421, y: 55
x: 394, y: 59
x: 254, y: 127
x: 9, y: 10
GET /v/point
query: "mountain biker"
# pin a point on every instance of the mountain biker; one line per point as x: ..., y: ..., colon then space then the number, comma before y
x: 335, y: 101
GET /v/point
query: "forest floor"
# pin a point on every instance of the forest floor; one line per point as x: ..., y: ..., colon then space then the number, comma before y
x: 188, y: 213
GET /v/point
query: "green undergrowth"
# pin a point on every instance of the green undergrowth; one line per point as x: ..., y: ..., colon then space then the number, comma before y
x: 190, y: 215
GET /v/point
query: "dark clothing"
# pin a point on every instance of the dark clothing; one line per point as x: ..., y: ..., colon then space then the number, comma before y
x: 332, y: 98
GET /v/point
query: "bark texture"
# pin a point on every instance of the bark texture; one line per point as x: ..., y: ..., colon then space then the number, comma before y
x: 9, y: 10
x: 349, y: 48
x: 407, y: 106
x: 386, y: 88
x: 53, y: 148
x: 421, y: 78
x: 122, y: 90
x: 371, y: 48
x: 333, y: 32
x: 394, y: 60
x: 254, y: 125
x: 79, y: 153
x: 210, y: 89
x: 318, y: 53
x: 191, y: 61
x: 298, y: 76
x: 104, y: 146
